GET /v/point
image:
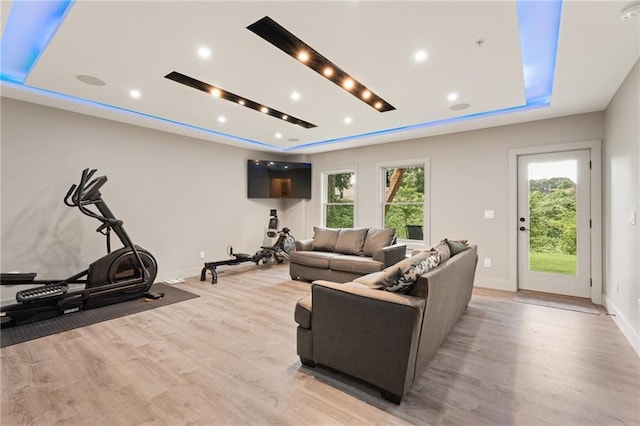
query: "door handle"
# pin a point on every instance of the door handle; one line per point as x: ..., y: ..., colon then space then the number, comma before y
x: 522, y: 228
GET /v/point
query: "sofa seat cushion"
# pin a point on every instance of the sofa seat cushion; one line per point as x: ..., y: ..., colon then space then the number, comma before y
x: 303, y: 312
x: 355, y: 264
x: 315, y: 259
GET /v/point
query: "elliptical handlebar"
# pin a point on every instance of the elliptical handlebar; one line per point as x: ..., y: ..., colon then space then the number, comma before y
x: 81, y: 196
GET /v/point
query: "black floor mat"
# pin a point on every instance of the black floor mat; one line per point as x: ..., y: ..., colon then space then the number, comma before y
x: 23, y: 333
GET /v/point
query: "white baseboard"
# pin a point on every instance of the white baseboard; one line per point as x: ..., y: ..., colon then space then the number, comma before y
x: 623, y: 324
x: 180, y: 273
x: 494, y: 284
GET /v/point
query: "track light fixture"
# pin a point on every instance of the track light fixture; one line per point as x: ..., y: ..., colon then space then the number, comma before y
x: 223, y: 94
x: 281, y: 38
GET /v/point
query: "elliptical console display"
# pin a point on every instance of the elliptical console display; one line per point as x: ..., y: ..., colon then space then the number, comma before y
x: 124, y: 274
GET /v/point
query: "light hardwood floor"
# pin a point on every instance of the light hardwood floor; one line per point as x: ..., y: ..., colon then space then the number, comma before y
x: 229, y: 357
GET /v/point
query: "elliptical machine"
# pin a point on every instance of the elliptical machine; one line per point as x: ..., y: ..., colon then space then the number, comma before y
x: 124, y: 274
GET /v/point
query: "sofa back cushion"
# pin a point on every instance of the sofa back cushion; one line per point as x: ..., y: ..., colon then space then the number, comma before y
x: 377, y: 239
x: 351, y: 241
x: 324, y: 239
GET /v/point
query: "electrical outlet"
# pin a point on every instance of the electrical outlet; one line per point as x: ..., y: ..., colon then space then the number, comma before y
x: 202, y: 254
x: 487, y: 262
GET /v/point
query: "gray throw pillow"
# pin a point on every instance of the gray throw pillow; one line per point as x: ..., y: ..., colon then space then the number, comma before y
x: 377, y: 239
x: 351, y: 241
x: 456, y: 246
x: 324, y: 239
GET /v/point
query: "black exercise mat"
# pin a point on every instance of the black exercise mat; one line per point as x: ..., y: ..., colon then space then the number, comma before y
x: 23, y: 333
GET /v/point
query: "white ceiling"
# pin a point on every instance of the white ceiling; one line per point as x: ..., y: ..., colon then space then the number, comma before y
x: 133, y: 45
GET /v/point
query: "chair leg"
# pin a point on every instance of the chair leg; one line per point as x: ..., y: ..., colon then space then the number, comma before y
x: 308, y: 362
x: 391, y: 397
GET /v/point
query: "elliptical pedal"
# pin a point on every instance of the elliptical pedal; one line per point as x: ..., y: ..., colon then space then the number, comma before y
x: 41, y: 292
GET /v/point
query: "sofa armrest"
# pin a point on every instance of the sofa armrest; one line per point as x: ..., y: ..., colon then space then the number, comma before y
x: 390, y: 255
x: 304, y: 245
x: 370, y: 334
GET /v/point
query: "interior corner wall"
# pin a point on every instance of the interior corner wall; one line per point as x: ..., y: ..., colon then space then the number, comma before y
x: 469, y: 174
x: 621, y: 193
x: 176, y: 195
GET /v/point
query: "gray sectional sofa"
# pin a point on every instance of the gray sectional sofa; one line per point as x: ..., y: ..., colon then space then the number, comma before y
x: 387, y: 338
x: 342, y: 255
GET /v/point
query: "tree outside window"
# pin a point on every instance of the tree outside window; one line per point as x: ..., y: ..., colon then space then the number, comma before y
x: 339, y: 200
x: 404, y: 201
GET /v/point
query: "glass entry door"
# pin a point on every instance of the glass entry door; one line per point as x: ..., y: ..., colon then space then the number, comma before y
x: 554, y: 223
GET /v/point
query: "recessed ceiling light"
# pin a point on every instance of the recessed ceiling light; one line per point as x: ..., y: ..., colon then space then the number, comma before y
x: 285, y: 117
x: 241, y: 102
x: 327, y: 71
x: 90, y: 80
x: 264, y: 110
x: 630, y: 11
x: 295, y: 96
x: 303, y: 56
x: 135, y: 94
x: 452, y: 96
x: 459, y: 107
x: 377, y: 105
x: 216, y: 92
x: 347, y: 120
x: 222, y: 119
x: 278, y: 135
x: 204, y: 52
x: 348, y: 84
x: 420, y: 56
x: 366, y: 95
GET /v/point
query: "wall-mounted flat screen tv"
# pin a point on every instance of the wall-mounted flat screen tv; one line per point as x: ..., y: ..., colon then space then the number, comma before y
x: 278, y: 179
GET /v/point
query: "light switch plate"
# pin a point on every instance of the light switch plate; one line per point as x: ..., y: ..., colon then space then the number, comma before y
x: 489, y: 214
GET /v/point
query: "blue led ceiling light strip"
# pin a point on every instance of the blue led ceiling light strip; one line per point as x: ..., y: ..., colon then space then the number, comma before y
x: 32, y: 24
x: 108, y: 107
x: 30, y: 27
x: 539, y: 23
x: 28, y: 31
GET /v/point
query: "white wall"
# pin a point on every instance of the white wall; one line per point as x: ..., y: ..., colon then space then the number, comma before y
x: 622, y: 199
x: 176, y: 195
x: 469, y: 174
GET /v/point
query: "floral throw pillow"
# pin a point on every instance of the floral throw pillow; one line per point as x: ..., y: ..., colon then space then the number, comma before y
x: 410, y: 276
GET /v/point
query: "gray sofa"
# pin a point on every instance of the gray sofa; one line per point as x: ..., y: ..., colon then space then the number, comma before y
x: 342, y: 255
x: 381, y: 337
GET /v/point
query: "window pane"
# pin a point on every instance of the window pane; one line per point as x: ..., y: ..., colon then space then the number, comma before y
x: 553, y: 217
x: 404, y: 201
x: 339, y: 216
x: 404, y: 184
x: 340, y: 188
x: 405, y: 218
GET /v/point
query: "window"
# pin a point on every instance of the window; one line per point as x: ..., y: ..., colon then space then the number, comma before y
x: 404, y: 200
x: 338, y: 199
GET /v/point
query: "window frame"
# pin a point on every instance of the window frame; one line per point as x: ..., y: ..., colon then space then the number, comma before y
x: 323, y: 192
x: 426, y: 211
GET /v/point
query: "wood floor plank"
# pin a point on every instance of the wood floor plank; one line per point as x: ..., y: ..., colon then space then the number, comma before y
x: 229, y: 357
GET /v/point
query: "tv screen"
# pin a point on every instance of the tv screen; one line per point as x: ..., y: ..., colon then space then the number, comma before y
x: 278, y: 179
